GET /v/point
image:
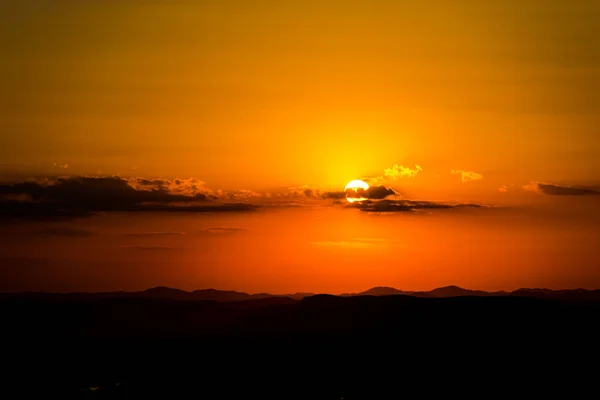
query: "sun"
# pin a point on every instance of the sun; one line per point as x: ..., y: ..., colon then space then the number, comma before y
x: 355, y: 185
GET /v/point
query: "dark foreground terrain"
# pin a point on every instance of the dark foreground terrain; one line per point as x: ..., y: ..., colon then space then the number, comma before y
x: 353, y: 347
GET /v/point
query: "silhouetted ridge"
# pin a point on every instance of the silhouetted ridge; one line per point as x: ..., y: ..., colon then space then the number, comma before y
x: 456, y: 291
x: 147, y: 340
x: 382, y: 291
x: 163, y: 292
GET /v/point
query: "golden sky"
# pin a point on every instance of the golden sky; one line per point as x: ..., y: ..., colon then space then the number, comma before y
x: 494, y: 103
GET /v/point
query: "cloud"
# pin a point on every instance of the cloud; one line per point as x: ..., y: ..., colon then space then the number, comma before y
x: 395, y: 172
x: 373, y: 193
x: 370, y: 240
x: 358, y: 243
x: 248, y: 194
x: 531, y: 187
x: 467, y: 176
x: 508, y: 188
x: 304, y: 191
x: 214, y: 207
x: 561, y: 190
x: 404, y: 205
x: 334, y: 195
x: 223, y: 229
x: 189, y: 187
x: 99, y: 193
x: 154, y: 234
x: 81, y: 196
x: 398, y: 171
x: 153, y: 248
x: 351, y: 243
x: 341, y: 244
x: 376, y: 192
x: 65, y: 232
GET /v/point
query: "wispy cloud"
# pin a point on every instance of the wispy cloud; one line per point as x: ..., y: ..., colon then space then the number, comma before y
x: 154, y: 234
x: 186, y: 187
x: 467, y: 176
x: 373, y: 193
x: 245, y: 194
x: 364, y: 243
x: 391, y: 206
x: 153, y: 248
x: 223, y: 229
x: 334, y: 195
x: 81, y: 196
x: 304, y: 190
x: 395, y: 172
x: 560, y: 190
x: 370, y: 240
x: 399, y: 171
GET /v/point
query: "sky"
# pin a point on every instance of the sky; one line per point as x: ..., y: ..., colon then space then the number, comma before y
x: 208, y: 144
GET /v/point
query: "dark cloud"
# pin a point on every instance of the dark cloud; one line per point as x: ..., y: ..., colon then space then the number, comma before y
x: 373, y: 193
x: 223, y: 229
x: 334, y: 195
x: 82, y: 196
x: 559, y: 190
x: 353, y: 242
x: 66, y: 232
x: 154, y: 234
x: 153, y: 182
x: 404, y: 205
x: 153, y: 248
x: 214, y: 207
x: 376, y: 192
x: 96, y: 194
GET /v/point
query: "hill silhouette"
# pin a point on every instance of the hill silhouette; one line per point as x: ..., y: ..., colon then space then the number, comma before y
x: 169, y: 343
x: 166, y: 293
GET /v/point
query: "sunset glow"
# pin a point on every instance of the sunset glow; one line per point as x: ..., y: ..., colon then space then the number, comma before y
x: 204, y: 144
x: 299, y: 199
x: 354, y: 186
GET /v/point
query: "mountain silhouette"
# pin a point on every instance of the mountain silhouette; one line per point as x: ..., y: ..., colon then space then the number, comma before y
x: 166, y: 293
x: 455, y: 291
x: 163, y: 292
x: 382, y: 291
x: 170, y: 343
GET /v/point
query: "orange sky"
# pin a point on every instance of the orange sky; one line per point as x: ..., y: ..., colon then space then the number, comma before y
x: 321, y: 249
x: 496, y: 102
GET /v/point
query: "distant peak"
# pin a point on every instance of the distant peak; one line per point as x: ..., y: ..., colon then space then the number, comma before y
x: 381, y: 290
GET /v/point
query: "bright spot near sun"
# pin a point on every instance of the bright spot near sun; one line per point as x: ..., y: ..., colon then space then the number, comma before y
x: 355, y: 185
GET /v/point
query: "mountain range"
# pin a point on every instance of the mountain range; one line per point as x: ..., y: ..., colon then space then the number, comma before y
x: 166, y: 293
x: 169, y: 343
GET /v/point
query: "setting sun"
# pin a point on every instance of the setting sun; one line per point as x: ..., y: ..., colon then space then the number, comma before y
x: 355, y: 185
